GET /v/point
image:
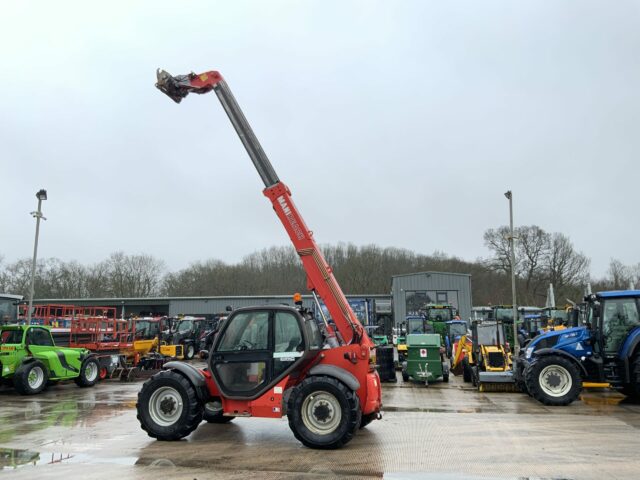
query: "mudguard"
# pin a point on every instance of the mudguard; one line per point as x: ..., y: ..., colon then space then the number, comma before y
x: 195, y: 376
x: 544, y: 352
x: 336, y: 372
x: 630, y: 344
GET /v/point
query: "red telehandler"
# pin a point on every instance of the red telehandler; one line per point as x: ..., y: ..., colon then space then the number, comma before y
x: 271, y: 361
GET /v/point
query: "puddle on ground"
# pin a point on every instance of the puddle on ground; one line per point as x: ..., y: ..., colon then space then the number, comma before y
x: 11, y: 458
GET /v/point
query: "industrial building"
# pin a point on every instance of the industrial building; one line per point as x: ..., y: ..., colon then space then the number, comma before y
x: 173, y: 306
x: 413, y: 290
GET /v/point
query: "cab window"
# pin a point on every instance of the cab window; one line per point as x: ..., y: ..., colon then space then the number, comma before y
x: 40, y: 337
x: 246, y: 331
x: 619, y: 316
x: 11, y: 337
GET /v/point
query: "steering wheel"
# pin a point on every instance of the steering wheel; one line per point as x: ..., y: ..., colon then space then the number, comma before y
x: 245, y: 345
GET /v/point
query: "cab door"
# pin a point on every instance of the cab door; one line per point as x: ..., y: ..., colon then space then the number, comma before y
x: 255, y: 349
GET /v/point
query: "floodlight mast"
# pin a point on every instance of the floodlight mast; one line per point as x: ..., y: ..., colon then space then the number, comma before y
x: 320, y: 277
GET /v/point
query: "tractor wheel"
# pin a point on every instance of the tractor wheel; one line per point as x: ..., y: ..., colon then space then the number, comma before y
x: 168, y: 406
x: 466, y: 370
x: 189, y: 351
x: 214, y: 416
x: 31, y: 378
x: 405, y: 376
x: 323, y: 412
x: 553, y: 380
x: 632, y: 389
x: 475, y: 376
x: 89, y: 373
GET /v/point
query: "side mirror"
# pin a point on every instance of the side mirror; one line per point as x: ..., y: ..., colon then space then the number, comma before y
x: 596, y: 310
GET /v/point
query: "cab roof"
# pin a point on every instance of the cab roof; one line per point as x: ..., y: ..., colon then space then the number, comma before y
x: 619, y: 294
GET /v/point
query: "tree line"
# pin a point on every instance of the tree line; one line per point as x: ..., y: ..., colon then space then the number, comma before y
x: 540, y: 258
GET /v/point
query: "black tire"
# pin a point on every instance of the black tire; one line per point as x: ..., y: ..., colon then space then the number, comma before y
x: 31, y: 378
x: 466, y: 370
x: 214, y: 416
x: 632, y: 389
x: 89, y: 373
x: 475, y: 376
x: 405, y: 376
x: 189, y: 351
x: 307, y: 411
x: 542, y: 377
x: 367, y: 419
x: 445, y: 377
x: 152, y: 406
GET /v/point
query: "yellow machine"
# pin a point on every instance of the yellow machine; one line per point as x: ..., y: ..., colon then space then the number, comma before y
x: 148, y: 332
x: 491, y: 364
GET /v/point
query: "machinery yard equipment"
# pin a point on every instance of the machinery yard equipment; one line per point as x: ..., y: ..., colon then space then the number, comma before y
x: 186, y: 331
x: 148, y: 338
x: 454, y: 330
x: 425, y: 359
x: 30, y: 360
x: 437, y: 316
x: 9, y: 308
x: 268, y: 361
x: 491, y: 365
x: 605, y: 352
x: 414, y: 325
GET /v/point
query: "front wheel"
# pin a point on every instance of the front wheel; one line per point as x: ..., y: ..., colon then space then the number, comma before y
x: 89, y: 373
x: 553, y: 380
x: 323, y: 412
x: 168, y: 406
x: 31, y: 378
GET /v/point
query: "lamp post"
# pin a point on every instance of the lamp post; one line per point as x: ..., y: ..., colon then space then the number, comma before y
x: 40, y: 195
x: 516, y: 345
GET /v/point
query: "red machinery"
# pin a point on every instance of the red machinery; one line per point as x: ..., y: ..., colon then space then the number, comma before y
x: 264, y: 355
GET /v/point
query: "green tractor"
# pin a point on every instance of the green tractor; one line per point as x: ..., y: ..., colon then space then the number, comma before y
x: 30, y: 360
x: 437, y: 316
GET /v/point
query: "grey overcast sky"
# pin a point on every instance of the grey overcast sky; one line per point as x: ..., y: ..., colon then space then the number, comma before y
x: 397, y: 123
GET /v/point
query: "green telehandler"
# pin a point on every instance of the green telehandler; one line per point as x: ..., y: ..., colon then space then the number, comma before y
x: 30, y: 360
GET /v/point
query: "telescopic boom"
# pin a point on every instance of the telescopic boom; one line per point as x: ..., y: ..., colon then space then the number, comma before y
x: 320, y: 277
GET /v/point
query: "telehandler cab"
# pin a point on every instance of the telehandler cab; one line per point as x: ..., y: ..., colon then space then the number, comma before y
x: 271, y: 361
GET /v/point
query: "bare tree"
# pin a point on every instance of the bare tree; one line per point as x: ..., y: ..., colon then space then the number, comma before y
x: 566, y: 268
x: 134, y: 275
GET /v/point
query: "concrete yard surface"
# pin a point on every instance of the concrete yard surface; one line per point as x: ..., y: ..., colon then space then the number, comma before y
x: 443, y: 431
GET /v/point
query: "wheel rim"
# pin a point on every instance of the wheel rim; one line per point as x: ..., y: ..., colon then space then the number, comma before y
x: 36, y: 377
x: 555, y: 380
x: 191, y: 351
x: 165, y: 406
x: 321, y: 412
x: 91, y: 371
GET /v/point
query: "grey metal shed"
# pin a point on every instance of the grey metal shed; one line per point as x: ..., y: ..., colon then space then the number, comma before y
x: 413, y: 289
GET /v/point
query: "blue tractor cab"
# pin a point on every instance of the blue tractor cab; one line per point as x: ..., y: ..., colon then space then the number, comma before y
x: 604, y: 352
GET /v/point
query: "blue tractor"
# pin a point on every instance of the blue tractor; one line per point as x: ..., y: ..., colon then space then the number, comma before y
x: 604, y: 352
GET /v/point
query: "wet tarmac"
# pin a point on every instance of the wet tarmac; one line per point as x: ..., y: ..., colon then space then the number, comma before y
x: 445, y: 431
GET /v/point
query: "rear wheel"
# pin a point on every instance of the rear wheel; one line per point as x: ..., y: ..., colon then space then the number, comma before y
x: 189, y: 351
x: 632, y: 389
x: 466, y: 370
x: 31, y: 378
x: 168, y: 406
x: 89, y: 373
x: 323, y: 413
x: 553, y: 380
x: 211, y: 415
